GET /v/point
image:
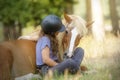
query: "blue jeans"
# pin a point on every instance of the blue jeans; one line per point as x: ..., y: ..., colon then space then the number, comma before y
x: 72, y: 64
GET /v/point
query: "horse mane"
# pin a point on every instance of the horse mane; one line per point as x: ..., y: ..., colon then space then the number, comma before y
x: 79, y: 23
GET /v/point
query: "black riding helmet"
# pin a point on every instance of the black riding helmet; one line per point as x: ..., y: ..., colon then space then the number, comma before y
x: 52, y: 23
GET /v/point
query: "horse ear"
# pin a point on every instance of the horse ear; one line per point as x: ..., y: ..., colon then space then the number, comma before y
x: 67, y: 18
x: 89, y: 24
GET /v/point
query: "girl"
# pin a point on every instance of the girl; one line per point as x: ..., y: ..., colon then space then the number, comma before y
x: 47, y: 48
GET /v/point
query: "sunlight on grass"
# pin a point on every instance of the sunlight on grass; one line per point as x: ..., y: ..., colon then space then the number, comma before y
x: 94, y: 48
x: 102, y: 57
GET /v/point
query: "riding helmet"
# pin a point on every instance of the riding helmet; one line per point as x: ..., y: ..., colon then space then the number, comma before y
x: 52, y: 23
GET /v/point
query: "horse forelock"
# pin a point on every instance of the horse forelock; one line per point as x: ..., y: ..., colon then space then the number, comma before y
x: 78, y: 23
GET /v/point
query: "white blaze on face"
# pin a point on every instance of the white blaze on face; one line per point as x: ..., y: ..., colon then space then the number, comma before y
x: 72, y: 42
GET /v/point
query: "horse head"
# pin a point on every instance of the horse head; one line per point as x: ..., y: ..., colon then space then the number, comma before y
x: 76, y: 28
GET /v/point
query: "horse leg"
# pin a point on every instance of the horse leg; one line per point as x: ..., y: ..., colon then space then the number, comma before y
x: 6, y: 61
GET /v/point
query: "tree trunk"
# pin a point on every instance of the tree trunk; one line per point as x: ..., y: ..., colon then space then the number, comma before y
x: 6, y: 32
x: 89, y: 13
x: 88, y: 10
x: 114, y: 17
x: 11, y: 31
x: 97, y: 15
x: 14, y: 32
x: 19, y: 30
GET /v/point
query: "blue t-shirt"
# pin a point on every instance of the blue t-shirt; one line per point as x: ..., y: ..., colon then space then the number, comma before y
x: 42, y: 43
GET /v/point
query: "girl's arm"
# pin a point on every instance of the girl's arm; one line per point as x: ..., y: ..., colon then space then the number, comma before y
x: 46, y: 58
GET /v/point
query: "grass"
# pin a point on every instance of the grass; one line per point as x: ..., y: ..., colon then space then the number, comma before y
x: 101, y: 59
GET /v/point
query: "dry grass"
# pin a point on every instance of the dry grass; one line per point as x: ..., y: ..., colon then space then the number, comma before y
x: 102, y: 57
x: 106, y: 48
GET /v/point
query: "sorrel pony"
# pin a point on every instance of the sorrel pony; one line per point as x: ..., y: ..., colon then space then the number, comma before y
x: 17, y: 57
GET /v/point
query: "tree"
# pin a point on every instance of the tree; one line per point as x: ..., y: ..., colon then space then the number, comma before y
x: 97, y: 15
x: 114, y: 17
x: 15, y: 14
x: 89, y: 12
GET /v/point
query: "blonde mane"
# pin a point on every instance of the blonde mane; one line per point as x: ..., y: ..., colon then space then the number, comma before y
x: 79, y: 23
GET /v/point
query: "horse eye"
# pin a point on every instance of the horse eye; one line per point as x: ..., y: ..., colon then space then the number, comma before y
x: 66, y: 32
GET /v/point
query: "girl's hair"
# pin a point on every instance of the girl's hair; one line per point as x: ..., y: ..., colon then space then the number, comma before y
x: 53, y: 41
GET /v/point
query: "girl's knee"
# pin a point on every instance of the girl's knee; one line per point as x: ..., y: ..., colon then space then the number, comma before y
x: 70, y: 62
x: 79, y: 50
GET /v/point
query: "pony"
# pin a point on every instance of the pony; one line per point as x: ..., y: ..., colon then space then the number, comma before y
x: 17, y: 57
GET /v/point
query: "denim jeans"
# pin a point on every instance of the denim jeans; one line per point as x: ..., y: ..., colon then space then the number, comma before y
x: 72, y: 64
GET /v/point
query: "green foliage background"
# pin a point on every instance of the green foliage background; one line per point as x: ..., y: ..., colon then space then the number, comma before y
x: 16, y: 14
x: 23, y: 11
